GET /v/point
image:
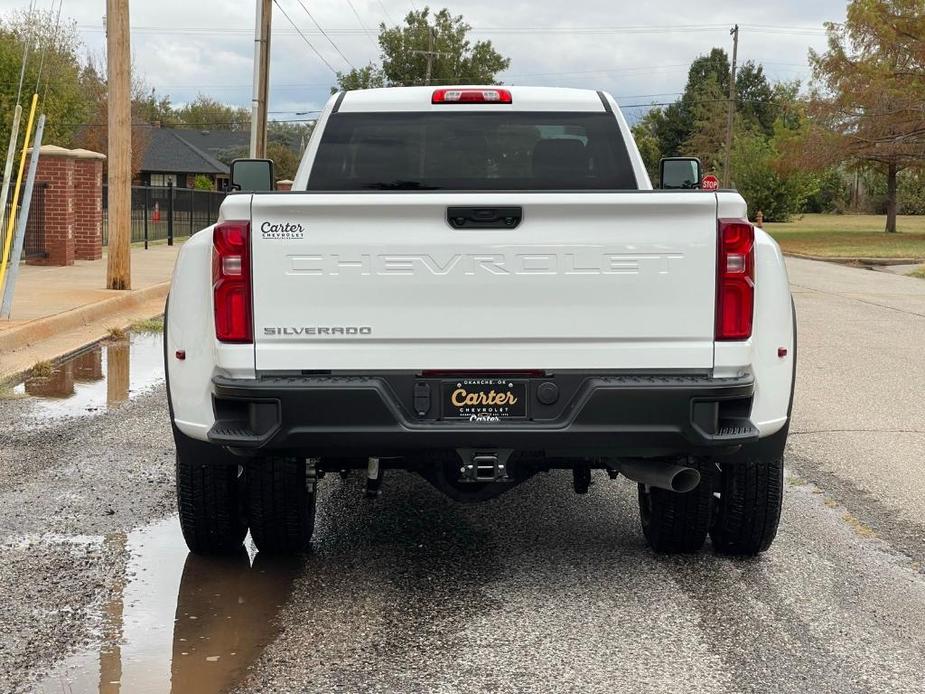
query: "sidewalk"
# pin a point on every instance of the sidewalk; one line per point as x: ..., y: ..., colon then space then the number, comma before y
x: 59, y: 309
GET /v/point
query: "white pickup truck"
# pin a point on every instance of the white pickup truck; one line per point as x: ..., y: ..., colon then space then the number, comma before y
x: 479, y: 284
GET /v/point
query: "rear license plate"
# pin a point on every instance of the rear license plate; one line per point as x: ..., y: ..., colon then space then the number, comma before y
x: 484, y: 399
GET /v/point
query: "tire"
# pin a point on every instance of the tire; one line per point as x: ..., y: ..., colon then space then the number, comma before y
x: 280, y: 506
x: 749, y: 505
x: 674, y: 522
x: 209, y: 498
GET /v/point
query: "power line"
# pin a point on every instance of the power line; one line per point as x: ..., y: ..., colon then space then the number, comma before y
x: 324, y: 33
x: 54, y: 38
x: 304, y: 38
x: 652, y: 104
x: 507, y: 77
x: 365, y: 30
x: 388, y: 17
x: 25, y: 56
x: 205, y: 125
x: 630, y: 29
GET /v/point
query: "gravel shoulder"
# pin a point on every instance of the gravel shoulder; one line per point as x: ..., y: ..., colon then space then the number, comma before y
x: 69, y: 489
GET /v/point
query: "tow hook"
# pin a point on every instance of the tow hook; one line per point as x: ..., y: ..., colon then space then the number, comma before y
x: 484, y: 466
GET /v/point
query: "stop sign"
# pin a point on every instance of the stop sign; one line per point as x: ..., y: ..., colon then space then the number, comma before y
x: 709, y: 182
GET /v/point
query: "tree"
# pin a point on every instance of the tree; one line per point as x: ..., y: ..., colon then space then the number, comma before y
x: 285, y: 160
x: 366, y: 77
x: 70, y: 89
x: 404, y: 59
x: 645, y: 135
x: 148, y: 107
x: 295, y: 136
x: 95, y: 134
x: 704, y: 99
x: 760, y: 179
x: 204, y: 112
x: 695, y: 123
x: 707, y: 113
x: 756, y: 102
x: 869, y: 87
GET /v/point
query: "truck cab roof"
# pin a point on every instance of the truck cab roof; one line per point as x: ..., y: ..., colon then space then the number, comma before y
x: 522, y: 99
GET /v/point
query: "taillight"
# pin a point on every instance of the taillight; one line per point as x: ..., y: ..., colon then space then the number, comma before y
x: 735, y: 280
x: 231, y: 282
x: 471, y: 96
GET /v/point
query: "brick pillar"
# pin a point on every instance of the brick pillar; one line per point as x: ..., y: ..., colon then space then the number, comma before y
x: 59, y: 385
x: 284, y: 185
x: 88, y: 367
x: 56, y: 168
x: 88, y: 200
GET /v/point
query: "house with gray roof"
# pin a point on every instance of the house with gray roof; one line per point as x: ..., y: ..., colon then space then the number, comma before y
x: 179, y: 156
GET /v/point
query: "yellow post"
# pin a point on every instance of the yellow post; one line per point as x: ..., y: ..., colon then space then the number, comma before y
x: 22, y: 166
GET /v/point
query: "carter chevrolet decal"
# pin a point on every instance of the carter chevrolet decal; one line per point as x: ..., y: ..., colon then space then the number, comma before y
x: 282, y: 231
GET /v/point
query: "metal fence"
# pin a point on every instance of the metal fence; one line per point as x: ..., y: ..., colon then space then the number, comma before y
x: 166, y: 212
x: 34, y: 240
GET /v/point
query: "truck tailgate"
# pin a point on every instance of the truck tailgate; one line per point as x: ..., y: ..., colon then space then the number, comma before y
x: 377, y: 281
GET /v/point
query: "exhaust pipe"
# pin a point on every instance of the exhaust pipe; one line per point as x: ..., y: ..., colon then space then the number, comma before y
x: 660, y: 474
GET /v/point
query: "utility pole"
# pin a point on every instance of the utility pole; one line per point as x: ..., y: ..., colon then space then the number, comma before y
x: 430, y: 54
x: 730, y: 116
x: 118, y: 79
x: 260, y: 99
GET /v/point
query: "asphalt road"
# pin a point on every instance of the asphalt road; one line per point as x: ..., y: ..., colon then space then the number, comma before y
x: 540, y: 590
x: 859, y: 411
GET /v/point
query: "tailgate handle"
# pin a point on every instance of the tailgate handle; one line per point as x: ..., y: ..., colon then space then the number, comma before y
x: 484, y: 217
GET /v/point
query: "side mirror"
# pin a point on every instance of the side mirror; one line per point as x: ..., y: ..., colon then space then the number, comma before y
x: 679, y: 173
x: 252, y: 175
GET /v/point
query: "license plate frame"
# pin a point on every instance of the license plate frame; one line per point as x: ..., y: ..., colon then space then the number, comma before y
x: 484, y: 399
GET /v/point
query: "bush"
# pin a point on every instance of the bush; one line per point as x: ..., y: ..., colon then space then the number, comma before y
x: 911, y: 192
x: 832, y: 193
x: 756, y: 175
x: 203, y: 182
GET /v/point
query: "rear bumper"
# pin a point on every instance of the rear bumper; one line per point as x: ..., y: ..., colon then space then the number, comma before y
x: 613, y: 415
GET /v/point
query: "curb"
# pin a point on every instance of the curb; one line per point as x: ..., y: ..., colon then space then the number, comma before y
x: 858, y: 260
x: 42, y: 328
x: 15, y: 377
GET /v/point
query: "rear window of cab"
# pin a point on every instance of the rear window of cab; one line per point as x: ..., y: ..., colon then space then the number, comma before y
x: 471, y: 151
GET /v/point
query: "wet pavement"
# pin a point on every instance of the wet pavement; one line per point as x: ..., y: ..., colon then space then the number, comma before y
x: 101, y: 376
x: 540, y: 590
x: 175, y: 621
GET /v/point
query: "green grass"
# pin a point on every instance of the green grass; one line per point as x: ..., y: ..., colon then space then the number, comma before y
x: 7, y: 392
x: 850, y: 236
x: 918, y: 272
x: 116, y: 334
x: 148, y: 325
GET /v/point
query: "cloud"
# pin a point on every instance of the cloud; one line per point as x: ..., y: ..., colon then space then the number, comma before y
x: 184, y: 48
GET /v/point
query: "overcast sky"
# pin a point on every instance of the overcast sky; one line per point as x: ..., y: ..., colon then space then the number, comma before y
x: 639, y: 51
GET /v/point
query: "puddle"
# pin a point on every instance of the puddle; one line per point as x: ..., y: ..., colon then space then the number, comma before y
x: 178, y: 622
x: 102, y: 376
